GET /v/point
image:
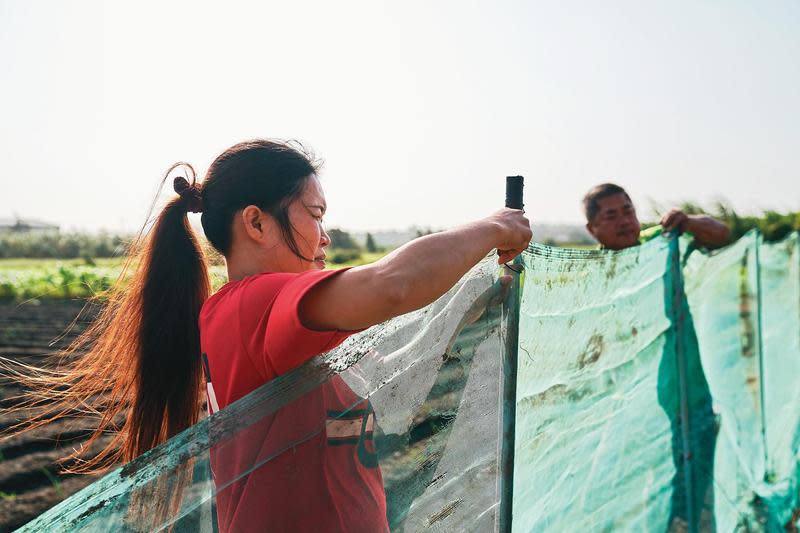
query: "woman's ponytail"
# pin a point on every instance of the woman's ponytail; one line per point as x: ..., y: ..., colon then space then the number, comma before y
x: 137, y: 367
x: 173, y: 286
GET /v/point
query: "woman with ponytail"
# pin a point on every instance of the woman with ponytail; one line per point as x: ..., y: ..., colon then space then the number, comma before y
x: 262, y: 208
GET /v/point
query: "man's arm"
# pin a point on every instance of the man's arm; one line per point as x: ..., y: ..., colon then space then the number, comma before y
x: 708, y: 232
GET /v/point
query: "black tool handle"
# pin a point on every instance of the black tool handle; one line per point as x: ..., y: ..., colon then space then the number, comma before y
x: 514, y: 185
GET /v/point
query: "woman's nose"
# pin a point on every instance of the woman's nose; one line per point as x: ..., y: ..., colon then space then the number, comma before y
x: 324, y: 239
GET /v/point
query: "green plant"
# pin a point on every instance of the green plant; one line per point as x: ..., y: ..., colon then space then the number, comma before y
x: 54, y: 481
x: 51, y: 279
x: 344, y: 256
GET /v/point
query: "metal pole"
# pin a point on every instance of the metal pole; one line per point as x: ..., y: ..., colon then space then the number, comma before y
x: 679, y: 322
x: 514, y: 185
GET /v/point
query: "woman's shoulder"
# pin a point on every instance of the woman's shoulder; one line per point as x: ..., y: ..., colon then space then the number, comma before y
x: 256, y: 293
x: 256, y: 286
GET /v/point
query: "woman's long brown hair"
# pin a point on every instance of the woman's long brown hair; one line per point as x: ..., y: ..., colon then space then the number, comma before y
x: 137, y: 367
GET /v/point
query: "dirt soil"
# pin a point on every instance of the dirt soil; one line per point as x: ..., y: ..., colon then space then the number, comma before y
x: 30, y: 478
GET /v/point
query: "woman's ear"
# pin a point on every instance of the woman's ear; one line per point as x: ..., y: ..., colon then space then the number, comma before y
x: 253, y: 218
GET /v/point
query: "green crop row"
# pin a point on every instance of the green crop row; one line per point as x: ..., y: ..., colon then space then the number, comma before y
x: 57, y: 281
x: 53, y: 279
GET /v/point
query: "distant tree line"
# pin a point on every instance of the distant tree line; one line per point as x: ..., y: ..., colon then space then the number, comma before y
x: 773, y: 225
x: 54, y: 245
x: 62, y: 245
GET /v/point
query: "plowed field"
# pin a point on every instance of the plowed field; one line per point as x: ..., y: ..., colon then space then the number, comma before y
x: 30, y: 478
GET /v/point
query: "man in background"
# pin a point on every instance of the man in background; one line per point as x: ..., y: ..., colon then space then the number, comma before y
x: 611, y: 219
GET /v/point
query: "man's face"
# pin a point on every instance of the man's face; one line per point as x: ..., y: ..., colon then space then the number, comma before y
x: 615, y: 225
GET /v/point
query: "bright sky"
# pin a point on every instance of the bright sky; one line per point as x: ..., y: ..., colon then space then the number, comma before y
x: 419, y: 108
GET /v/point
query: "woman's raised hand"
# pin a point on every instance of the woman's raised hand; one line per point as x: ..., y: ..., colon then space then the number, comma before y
x: 514, y: 233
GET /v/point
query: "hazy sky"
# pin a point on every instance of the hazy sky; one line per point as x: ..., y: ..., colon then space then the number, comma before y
x: 419, y: 109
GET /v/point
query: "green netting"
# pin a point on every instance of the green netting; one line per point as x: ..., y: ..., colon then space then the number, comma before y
x: 722, y: 291
x: 656, y: 390
x: 780, y: 289
x: 597, y: 391
x: 746, y: 305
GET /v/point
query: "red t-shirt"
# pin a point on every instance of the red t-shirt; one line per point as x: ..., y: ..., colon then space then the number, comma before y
x: 310, y: 466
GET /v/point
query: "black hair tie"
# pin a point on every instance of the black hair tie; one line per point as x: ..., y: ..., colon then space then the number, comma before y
x: 189, y: 193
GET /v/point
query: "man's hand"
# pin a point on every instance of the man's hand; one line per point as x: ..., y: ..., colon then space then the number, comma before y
x: 675, y: 220
x: 708, y: 232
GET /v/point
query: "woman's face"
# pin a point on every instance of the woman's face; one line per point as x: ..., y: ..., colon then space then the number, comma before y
x: 306, y: 214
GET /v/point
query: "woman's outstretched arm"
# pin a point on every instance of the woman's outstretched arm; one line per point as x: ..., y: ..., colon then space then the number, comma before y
x: 413, y: 275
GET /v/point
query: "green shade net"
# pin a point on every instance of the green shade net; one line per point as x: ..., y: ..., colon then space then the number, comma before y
x: 746, y: 308
x: 656, y: 390
x: 597, y: 394
x: 780, y: 288
x: 722, y: 291
x: 417, y: 398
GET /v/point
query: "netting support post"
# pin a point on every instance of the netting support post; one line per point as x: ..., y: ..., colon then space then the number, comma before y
x: 509, y: 410
x: 514, y: 200
x: 679, y: 321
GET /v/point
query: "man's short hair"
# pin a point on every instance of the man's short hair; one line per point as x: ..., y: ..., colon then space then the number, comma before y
x: 591, y: 202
